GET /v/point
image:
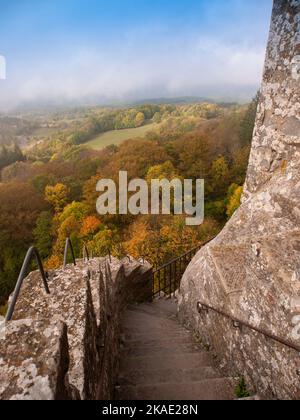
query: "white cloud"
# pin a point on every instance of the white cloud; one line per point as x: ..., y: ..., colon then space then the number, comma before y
x: 134, y: 67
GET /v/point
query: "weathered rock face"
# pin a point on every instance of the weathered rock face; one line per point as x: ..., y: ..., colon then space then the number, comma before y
x: 276, y: 141
x: 66, y: 345
x: 252, y: 269
x: 34, y: 362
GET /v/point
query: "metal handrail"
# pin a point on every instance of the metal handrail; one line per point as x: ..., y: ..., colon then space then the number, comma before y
x: 191, y: 251
x: 170, y: 272
x: 238, y: 322
x: 171, y: 276
x: 32, y: 252
x: 68, y: 246
x: 85, y: 253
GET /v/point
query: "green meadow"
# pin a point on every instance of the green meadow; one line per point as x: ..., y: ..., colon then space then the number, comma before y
x: 117, y: 137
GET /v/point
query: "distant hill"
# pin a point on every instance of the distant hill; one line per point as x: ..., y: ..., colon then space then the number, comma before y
x: 181, y: 100
x: 212, y: 94
x: 184, y: 100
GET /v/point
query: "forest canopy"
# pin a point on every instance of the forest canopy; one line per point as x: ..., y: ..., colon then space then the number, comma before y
x: 48, y: 188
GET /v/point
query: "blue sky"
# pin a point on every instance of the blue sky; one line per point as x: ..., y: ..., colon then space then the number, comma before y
x: 119, y: 49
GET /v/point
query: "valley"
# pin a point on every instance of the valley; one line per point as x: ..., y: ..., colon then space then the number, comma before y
x: 50, y: 163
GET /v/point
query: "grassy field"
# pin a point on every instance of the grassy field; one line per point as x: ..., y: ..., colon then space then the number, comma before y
x: 117, y: 137
x: 45, y: 131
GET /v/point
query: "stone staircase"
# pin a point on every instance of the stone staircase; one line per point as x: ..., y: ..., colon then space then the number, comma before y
x: 161, y: 360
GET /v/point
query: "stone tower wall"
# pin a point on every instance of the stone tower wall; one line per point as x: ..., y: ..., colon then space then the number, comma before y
x: 251, y: 271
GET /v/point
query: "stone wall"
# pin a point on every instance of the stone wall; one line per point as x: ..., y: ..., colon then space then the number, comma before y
x: 66, y: 345
x: 252, y: 269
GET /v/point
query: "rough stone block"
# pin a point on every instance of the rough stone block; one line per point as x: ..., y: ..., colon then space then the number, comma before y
x: 34, y: 362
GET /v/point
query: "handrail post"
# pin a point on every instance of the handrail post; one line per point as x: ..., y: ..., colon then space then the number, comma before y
x: 67, y: 246
x: 85, y: 252
x: 30, y: 253
x: 175, y: 277
x: 159, y: 283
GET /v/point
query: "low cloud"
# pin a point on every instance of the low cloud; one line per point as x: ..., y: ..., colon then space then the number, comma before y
x: 134, y: 68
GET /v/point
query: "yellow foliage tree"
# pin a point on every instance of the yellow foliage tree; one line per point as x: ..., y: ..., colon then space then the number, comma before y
x: 68, y: 225
x: 57, y: 196
x: 103, y: 242
x: 69, y: 228
x: 53, y: 263
x: 234, y: 199
x: 220, y: 174
x: 178, y: 238
x: 143, y: 242
x: 164, y: 171
x: 139, y: 119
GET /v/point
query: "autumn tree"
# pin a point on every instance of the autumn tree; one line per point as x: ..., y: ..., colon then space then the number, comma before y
x: 163, y: 171
x: 139, y: 119
x: 90, y: 226
x: 20, y: 206
x: 43, y: 234
x: 69, y: 226
x: 57, y: 196
x: 220, y: 176
x: 233, y: 199
x: 156, y: 118
x: 135, y: 157
x: 193, y: 154
x: 143, y: 241
x: 9, y: 155
x: 90, y: 193
x: 105, y: 241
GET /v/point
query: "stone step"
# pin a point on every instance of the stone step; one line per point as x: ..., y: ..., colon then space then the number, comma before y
x: 146, y: 341
x: 157, y: 319
x: 152, y: 321
x: 153, y: 331
x: 163, y: 361
x: 150, y: 377
x: 155, y: 310
x: 161, y: 350
x: 129, y: 335
x: 140, y: 317
x: 209, y: 389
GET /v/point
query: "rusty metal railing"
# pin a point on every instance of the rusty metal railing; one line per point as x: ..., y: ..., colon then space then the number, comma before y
x: 69, y: 246
x: 167, y: 278
x: 238, y: 323
x: 85, y: 253
x: 32, y: 252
